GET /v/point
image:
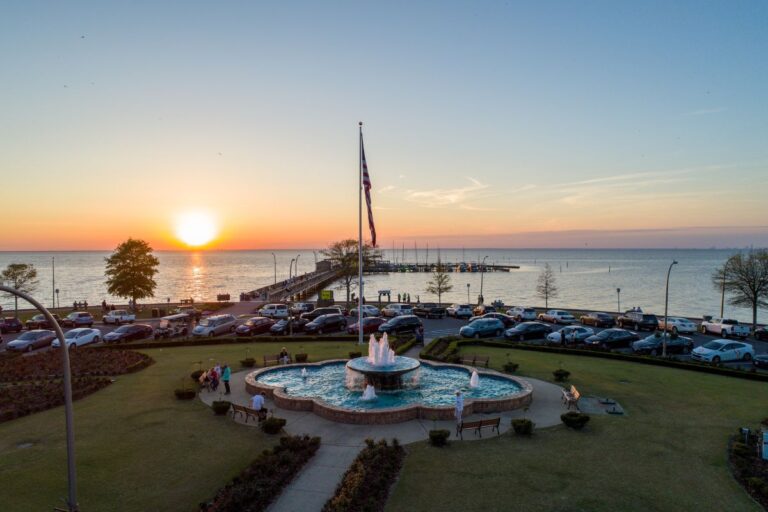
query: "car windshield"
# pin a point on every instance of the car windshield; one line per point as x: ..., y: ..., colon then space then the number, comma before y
x: 713, y: 345
x: 71, y: 334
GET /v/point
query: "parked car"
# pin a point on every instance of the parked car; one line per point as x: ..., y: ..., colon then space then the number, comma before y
x: 119, y: 316
x: 324, y: 324
x: 573, y: 334
x: 301, y: 307
x: 483, y: 328
x: 78, y: 337
x: 719, y: 351
x: 190, y: 311
x: 10, y: 324
x: 401, y: 324
x: 173, y: 325
x: 654, y: 345
x: 612, y: 338
x: 724, y: 327
x: 761, y: 334
x: 677, y: 324
x: 287, y: 326
x: 129, y: 333
x: 368, y: 310
x: 394, y: 310
x: 429, y: 310
x: 274, y: 311
x: 527, y: 331
x: 459, y: 310
x: 557, y: 316
x: 255, y: 325
x: 30, y: 340
x: 482, y: 309
x: 370, y: 325
x: 598, y: 319
x: 522, y: 313
x: 77, y: 319
x: 39, y: 321
x: 507, y: 320
x: 215, y: 325
x: 760, y: 361
x: 315, y: 313
x: 638, y: 321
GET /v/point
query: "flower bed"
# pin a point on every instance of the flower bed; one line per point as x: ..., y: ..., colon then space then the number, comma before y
x: 259, y: 484
x: 28, y: 397
x: 365, y: 485
x: 84, y: 362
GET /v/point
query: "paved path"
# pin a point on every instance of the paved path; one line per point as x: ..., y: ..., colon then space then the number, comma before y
x: 317, y: 482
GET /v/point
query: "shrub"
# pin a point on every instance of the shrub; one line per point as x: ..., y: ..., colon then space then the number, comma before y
x: 248, y: 362
x: 561, y: 375
x: 353, y: 355
x: 740, y: 449
x: 221, y: 407
x: 511, y: 367
x: 575, y: 420
x: 23, y: 398
x: 185, y: 393
x: 439, y: 437
x: 273, y: 425
x: 301, y: 358
x: 84, y: 362
x: 195, y: 375
x: 522, y: 427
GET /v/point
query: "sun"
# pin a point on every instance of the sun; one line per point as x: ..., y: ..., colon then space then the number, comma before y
x: 195, y: 228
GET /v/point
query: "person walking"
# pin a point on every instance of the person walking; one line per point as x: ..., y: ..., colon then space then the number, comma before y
x: 226, y: 373
x: 459, y: 410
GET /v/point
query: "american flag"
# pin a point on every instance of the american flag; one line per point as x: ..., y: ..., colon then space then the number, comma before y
x: 367, y: 188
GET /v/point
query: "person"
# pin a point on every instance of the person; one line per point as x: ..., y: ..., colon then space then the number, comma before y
x: 284, y: 357
x: 104, y: 305
x: 225, y: 375
x: 398, y: 297
x: 562, y: 337
x: 214, y: 376
x: 257, y: 404
x: 420, y: 335
x: 459, y: 407
x: 205, y: 380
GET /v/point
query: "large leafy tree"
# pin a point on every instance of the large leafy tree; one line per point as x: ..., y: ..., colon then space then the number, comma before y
x: 131, y: 270
x: 440, y: 282
x: 343, y: 257
x: 22, y: 277
x: 547, y: 287
x: 745, y: 278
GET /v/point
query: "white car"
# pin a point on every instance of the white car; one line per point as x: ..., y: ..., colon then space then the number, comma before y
x: 79, y: 337
x: 459, y: 311
x: 573, y: 334
x: 368, y: 310
x: 394, y: 310
x: 718, y: 351
x: 724, y: 327
x: 677, y: 324
x: 522, y: 313
x: 274, y: 311
x: 215, y: 325
x: 119, y: 316
x: 557, y: 316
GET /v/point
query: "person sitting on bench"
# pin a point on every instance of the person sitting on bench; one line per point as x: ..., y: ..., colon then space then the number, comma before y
x: 257, y: 404
x: 285, y: 357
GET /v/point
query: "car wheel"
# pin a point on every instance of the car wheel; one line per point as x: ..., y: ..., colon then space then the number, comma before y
x: 654, y: 352
x: 477, y: 335
x: 703, y: 330
x: 96, y: 339
x: 674, y: 330
x: 724, y: 334
x: 686, y: 350
x: 117, y: 322
x: 498, y: 333
x: 604, y: 346
x: 637, y: 326
x: 320, y: 331
x: 716, y: 360
x: 211, y: 334
x: 29, y: 348
x: 747, y: 357
x: 522, y: 337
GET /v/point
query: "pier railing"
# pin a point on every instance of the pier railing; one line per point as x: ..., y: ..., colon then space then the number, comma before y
x: 298, y: 286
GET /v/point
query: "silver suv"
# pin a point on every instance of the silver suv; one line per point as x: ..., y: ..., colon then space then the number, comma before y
x: 522, y: 313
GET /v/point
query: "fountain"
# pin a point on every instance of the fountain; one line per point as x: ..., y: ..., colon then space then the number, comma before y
x: 304, y: 373
x: 382, y: 369
x: 474, y: 380
x: 369, y: 393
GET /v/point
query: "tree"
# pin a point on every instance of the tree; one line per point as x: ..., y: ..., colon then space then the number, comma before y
x: 22, y: 277
x: 343, y: 256
x: 745, y: 278
x: 131, y: 270
x: 546, y: 287
x: 440, y: 282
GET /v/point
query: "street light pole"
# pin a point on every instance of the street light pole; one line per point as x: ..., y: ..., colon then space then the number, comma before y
x: 290, y: 268
x: 468, y: 294
x: 618, y: 300
x: 275, y: 259
x: 482, y: 273
x: 666, y: 305
x: 72, y: 505
x: 296, y: 270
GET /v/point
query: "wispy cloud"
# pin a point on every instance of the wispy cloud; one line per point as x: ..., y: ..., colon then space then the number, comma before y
x: 384, y: 190
x: 438, y: 197
x: 704, y: 112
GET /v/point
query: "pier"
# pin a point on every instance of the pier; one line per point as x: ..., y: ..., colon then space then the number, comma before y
x: 295, y: 288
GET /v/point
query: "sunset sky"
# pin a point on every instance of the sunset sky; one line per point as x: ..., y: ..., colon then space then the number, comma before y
x: 487, y: 124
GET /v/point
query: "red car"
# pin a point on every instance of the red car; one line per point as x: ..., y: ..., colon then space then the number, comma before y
x: 40, y: 322
x: 10, y: 324
x: 256, y: 325
x: 370, y: 325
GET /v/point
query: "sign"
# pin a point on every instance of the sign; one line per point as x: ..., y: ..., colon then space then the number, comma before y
x: 765, y: 444
x: 326, y: 294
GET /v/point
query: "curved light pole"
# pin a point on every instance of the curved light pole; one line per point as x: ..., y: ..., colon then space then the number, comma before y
x: 468, y: 294
x: 296, y: 270
x: 666, y: 305
x: 290, y: 269
x: 618, y: 300
x: 275, y: 258
x: 71, y: 471
x: 482, y: 273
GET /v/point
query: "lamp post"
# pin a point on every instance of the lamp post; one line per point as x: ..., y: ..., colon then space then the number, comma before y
x: 666, y: 305
x: 296, y: 270
x: 481, y: 299
x: 468, y: 293
x: 314, y: 253
x: 618, y: 300
x: 72, y: 505
x: 290, y: 268
x: 275, y: 259
x: 58, y: 304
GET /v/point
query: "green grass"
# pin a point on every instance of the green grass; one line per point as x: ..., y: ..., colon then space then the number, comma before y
x: 669, y: 453
x: 138, y: 448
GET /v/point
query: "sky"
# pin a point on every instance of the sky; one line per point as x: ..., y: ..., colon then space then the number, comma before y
x: 486, y: 124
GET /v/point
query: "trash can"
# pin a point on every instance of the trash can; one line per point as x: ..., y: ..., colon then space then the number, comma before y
x: 155, y: 312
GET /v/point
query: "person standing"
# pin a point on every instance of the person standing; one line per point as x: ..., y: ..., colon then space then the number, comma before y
x: 459, y: 410
x: 226, y: 373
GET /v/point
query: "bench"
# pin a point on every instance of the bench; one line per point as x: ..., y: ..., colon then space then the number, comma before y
x: 478, y: 426
x: 571, y: 397
x: 187, y: 302
x: 259, y: 415
x: 474, y: 360
x: 274, y: 359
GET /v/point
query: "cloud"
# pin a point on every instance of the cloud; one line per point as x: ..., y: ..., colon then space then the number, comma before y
x: 384, y: 190
x: 439, y: 197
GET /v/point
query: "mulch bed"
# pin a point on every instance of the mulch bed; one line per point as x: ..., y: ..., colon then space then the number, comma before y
x: 748, y: 467
x: 28, y: 397
x: 84, y: 362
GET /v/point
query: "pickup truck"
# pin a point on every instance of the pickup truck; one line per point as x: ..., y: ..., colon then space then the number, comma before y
x: 118, y: 316
x: 724, y: 327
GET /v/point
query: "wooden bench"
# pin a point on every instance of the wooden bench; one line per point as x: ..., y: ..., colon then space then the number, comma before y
x: 478, y: 426
x: 259, y: 416
x: 474, y: 360
x: 571, y: 397
x: 274, y: 359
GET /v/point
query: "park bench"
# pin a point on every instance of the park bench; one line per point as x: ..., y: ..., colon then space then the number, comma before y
x: 274, y: 359
x: 571, y: 397
x: 259, y: 415
x: 475, y: 360
x: 187, y: 302
x: 478, y: 426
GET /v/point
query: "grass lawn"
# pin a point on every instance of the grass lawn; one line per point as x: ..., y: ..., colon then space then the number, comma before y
x: 668, y: 454
x: 138, y: 448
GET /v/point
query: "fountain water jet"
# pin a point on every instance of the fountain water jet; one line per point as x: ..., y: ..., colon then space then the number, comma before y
x: 382, y: 369
x: 474, y: 380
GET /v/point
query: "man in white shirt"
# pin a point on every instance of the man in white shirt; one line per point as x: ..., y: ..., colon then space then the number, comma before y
x: 257, y: 401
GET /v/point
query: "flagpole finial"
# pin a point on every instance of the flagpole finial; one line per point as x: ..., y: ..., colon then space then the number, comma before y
x: 360, y: 123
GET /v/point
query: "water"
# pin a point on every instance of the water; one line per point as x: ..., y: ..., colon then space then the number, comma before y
x: 582, y: 276
x: 437, y: 387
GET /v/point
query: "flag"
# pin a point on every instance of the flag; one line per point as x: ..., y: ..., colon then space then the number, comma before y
x: 367, y: 188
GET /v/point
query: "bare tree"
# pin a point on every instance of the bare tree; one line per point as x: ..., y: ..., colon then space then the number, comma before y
x: 546, y: 286
x: 22, y: 277
x: 745, y: 278
x: 440, y: 282
x: 343, y: 257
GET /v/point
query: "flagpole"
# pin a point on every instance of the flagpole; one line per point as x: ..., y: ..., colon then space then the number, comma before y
x: 360, y: 240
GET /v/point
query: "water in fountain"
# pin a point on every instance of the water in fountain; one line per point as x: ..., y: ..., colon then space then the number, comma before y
x: 474, y: 380
x: 379, y: 353
x: 369, y: 393
x: 304, y: 373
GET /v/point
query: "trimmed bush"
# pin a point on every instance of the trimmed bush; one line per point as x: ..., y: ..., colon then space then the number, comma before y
x: 301, y: 358
x: 561, y: 375
x: 575, y: 420
x: 511, y: 367
x: 84, y: 362
x: 220, y: 407
x: 185, y: 394
x: 273, y: 425
x: 439, y: 437
x: 248, y: 362
x: 28, y: 397
x: 522, y: 427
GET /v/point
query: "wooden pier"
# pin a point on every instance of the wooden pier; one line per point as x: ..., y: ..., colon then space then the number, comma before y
x: 296, y: 288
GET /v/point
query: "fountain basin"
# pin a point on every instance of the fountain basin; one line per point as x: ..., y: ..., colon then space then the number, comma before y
x: 383, y: 377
